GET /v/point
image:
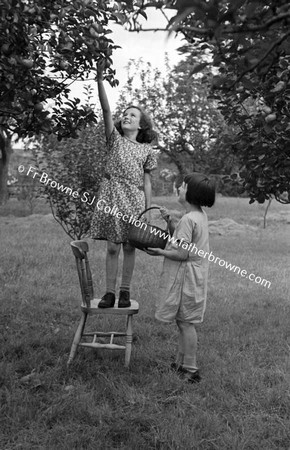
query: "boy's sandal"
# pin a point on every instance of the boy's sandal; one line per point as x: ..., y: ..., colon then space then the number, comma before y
x: 177, y: 368
x: 192, y: 377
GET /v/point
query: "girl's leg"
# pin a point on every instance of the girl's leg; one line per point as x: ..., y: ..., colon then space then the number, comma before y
x: 188, y: 343
x: 128, y: 266
x: 112, y: 259
x: 113, y: 250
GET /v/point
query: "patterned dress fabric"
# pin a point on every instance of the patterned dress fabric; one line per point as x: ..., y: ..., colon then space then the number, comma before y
x: 122, y: 187
x: 183, y: 284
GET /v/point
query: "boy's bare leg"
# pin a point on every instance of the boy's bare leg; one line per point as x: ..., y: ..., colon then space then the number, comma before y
x: 180, y: 352
x: 189, y: 344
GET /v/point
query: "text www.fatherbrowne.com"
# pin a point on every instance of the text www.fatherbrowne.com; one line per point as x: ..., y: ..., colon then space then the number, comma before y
x: 221, y: 262
x: 101, y: 204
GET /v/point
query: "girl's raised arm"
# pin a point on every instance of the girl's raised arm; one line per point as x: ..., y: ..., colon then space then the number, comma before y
x: 109, y: 124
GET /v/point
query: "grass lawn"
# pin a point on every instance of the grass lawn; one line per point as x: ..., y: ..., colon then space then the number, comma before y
x: 243, y: 401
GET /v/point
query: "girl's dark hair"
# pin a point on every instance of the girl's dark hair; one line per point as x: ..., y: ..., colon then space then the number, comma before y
x: 200, y: 189
x: 146, y: 134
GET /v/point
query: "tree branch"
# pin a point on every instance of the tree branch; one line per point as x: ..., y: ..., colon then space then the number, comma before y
x: 164, y: 15
x: 243, y: 29
x: 59, y: 221
x: 250, y: 69
x: 7, y: 112
x: 262, y: 26
x: 148, y: 29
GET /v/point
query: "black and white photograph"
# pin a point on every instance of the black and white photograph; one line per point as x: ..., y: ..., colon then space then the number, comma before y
x: 144, y: 225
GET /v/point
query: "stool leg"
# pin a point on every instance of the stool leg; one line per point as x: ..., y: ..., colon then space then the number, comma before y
x: 128, y: 341
x: 77, y: 337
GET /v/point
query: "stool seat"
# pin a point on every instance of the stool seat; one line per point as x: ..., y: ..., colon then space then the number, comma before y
x: 90, y: 306
x: 94, y: 308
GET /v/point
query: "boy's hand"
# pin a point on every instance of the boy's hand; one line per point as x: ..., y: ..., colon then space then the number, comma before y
x: 147, y: 217
x: 164, y: 213
x: 153, y: 251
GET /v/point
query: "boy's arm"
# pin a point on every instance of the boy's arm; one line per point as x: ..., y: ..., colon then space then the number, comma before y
x: 177, y: 254
x: 109, y: 124
x: 171, y: 226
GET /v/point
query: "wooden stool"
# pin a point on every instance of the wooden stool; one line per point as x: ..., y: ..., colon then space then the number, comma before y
x: 89, y: 306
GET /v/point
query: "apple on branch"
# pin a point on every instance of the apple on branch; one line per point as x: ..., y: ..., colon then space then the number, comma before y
x: 64, y: 65
x: 38, y: 107
x: 28, y: 63
x: 270, y: 118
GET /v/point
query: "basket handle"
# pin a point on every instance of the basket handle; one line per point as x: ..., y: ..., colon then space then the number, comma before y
x: 145, y: 210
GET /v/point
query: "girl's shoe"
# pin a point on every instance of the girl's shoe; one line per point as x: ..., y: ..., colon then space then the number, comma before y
x: 107, y: 301
x: 124, y: 299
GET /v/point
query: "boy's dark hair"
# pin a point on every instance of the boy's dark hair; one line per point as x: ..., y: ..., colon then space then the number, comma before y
x: 146, y: 134
x: 200, y: 189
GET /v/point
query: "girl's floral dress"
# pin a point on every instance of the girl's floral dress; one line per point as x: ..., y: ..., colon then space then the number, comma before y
x: 122, y: 187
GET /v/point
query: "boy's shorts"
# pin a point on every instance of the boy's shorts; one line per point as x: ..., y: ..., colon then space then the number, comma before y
x: 186, y: 310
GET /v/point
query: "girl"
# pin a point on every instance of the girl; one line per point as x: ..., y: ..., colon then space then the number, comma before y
x: 185, y: 271
x: 126, y: 187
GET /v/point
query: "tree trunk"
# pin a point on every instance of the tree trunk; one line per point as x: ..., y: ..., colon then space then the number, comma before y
x: 266, y: 211
x: 5, y: 154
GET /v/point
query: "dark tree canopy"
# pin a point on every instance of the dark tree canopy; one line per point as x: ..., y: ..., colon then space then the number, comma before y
x: 45, y: 45
x: 248, y: 44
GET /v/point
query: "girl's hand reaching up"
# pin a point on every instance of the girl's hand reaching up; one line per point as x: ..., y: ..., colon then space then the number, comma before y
x: 100, y: 69
x: 109, y: 124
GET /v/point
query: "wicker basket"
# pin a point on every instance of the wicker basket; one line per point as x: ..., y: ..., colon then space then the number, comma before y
x: 141, y: 237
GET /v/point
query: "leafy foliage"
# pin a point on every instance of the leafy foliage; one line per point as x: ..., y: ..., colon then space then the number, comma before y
x: 74, y: 168
x: 45, y: 45
x: 189, y: 125
x: 263, y: 134
x: 249, y: 42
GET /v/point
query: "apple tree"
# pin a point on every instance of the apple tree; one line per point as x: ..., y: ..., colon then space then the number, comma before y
x: 248, y: 44
x: 46, y: 45
x: 70, y: 176
x: 189, y: 124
